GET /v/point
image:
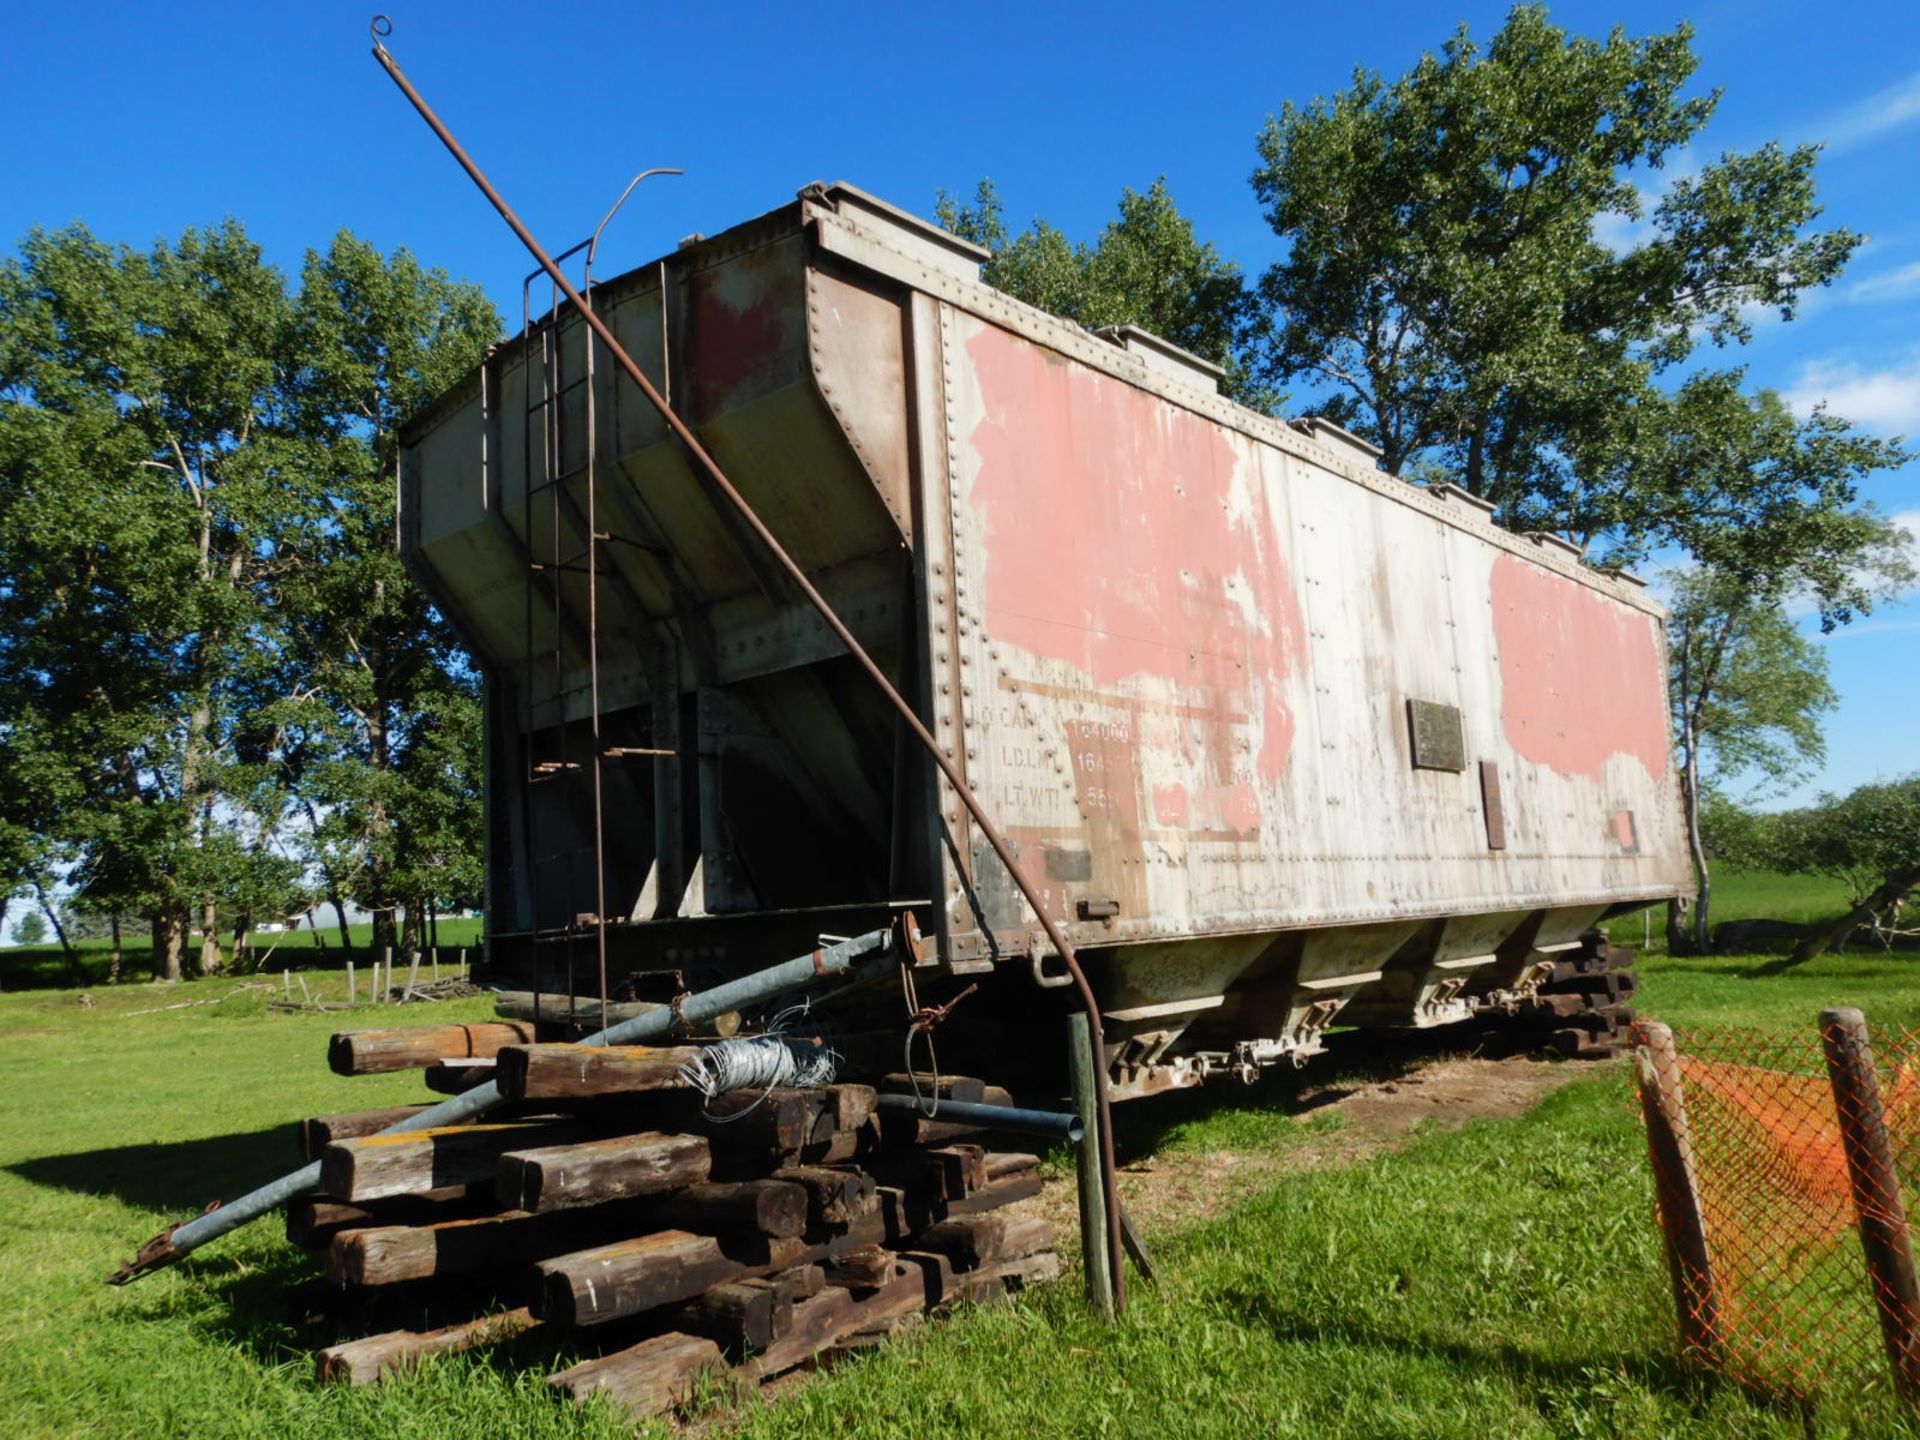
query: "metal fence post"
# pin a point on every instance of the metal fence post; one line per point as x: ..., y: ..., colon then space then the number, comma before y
x: 1670, y: 1147
x: 1884, y: 1235
x: 1095, y: 1251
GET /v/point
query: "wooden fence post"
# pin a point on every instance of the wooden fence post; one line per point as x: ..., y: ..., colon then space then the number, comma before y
x: 1670, y: 1147
x: 1093, y: 1200
x: 353, y: 995
x: 1884, y: 1235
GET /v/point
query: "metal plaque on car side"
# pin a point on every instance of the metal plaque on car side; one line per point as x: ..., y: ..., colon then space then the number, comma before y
x: 1438, y: 741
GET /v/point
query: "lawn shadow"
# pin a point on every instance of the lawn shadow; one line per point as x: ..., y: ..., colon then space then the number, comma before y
x: 177, y: 1176
x: 284, y: 1310
x: 1539, y: 1373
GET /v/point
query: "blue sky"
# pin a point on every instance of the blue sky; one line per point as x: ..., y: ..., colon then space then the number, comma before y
x: 142, y: 119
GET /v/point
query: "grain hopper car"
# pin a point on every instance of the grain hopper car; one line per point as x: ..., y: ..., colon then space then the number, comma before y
x: 1283, y: 742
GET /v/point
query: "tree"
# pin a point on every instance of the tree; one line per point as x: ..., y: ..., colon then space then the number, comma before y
x: 1767, y: 502
x: 386, y: 732
x: 1444, y: 277
x: 29, y: 929
x: 148, y: 493
x: 1746, y: 693
x: 1148, y: 268
x: 1767, y: 505
x: 199, y: 587
x: 1869, y: 841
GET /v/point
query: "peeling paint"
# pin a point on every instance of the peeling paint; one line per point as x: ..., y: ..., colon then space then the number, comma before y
x: 1580, y: 677
x: 1125, y: 538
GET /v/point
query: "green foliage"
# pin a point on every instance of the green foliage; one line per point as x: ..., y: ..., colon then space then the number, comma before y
x: 1735, y: 835
x: 1147, y: 268
x: 149, y: 493
x: 198, y: 570
x: 29, y: 929
x: 1747, y: 688
x: 1868, y: 840
x: 1444, y: 276
x: 384, y: 712
x: 1764, y: 503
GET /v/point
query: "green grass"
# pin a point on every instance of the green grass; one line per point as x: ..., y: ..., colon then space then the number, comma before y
x: 1764, y: 895
x: 1502, y: 1280
x: 29, y: 967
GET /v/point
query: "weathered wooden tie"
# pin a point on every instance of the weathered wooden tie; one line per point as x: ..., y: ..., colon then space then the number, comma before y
x: 544, y: 1072
x: 414, y: 1047
x: 364, y: 1362
x: 651, y: 1377
x: 413, y: 1161
x: 558, y: 1177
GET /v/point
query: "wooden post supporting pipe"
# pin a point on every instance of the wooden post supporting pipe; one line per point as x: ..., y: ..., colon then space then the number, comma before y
x: 704, y: 463
x: 1884, y: 1235
x: 1670, y: 1147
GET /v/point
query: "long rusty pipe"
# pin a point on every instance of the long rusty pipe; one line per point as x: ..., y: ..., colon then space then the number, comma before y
x: 684, y: 433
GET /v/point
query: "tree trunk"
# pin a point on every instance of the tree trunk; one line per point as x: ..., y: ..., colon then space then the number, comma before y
x: 72, y: 956
x: 211, y: 960
x: 1475, y: 478
x: 169, y: 939
x: 1890, y: 890
x: 386, y: 937
x: 113, y: 958
x: 410, y: 931
x: 339, y: 903
x: 1696, y: 846
x: 1679, y: 932
x: 433, y: 926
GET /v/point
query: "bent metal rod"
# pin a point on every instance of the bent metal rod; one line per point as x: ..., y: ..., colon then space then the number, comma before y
x: 710, y: 467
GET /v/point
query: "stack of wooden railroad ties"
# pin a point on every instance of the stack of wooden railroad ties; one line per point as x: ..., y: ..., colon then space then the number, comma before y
x: 685, y: 1240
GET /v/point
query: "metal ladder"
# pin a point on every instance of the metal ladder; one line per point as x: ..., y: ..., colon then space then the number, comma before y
x: 545, y: 440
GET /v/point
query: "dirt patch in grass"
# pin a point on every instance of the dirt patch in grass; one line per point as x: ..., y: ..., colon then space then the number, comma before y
x: 1317, y: 1125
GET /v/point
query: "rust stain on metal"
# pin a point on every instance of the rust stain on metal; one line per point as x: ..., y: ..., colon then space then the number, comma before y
x: 1495, y: 807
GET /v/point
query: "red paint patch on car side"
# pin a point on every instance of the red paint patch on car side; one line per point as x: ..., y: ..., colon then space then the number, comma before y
x: 725, y: 346
x: 1170, y: 805
x: 1580, y: 675
x: 1110, y: 546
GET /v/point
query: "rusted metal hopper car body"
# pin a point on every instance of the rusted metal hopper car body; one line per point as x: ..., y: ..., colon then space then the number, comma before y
x: 1285, y: 742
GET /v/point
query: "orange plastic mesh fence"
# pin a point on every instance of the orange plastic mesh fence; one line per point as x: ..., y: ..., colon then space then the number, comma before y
x: 1794, y: 1310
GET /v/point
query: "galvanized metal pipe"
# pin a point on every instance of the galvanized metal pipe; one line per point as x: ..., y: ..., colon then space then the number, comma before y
x: 1054, y: 1124
x: 794, y: 974
x: 751, y: 518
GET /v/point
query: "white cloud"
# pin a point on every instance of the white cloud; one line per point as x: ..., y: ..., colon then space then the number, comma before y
x: 1888, y: 285
x: 1909, y: 521
x: 1621, y: 233
x: 1803, y: 605
x: 1893, y: 108
x: 1870, y: 627
x: 1886, y: 400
